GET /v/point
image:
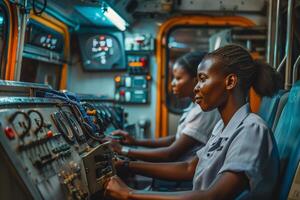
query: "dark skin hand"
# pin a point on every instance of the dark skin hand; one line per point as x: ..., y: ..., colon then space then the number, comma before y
x: 221, y: 190
x: 129, y: 140
x: 163, y: 154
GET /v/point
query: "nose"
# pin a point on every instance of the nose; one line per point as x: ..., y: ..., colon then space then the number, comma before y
x: 196, y: 88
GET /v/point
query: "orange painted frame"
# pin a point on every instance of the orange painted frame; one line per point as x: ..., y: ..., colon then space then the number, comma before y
x: 12, y: 41
x: 161, y: 108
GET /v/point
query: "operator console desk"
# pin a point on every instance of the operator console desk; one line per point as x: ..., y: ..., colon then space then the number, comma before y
x: 45, y: 151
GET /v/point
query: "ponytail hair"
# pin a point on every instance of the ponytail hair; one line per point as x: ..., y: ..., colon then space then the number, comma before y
x: 266, y: 81
x: 261, y: 76
x: 190, y: 61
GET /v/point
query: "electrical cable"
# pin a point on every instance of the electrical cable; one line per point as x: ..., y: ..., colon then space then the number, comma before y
x: 39, y: 12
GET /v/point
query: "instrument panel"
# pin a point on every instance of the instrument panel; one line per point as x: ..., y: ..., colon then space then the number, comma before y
x: 46, y: 146
x: 102, y: 51
x: 44, y: 37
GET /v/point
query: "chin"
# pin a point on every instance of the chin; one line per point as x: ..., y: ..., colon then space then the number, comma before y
x: 204, y: 107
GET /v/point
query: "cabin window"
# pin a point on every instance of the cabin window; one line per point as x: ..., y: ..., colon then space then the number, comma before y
x: 182, y: 40
x: 3, y: 39
x: 37, y: 71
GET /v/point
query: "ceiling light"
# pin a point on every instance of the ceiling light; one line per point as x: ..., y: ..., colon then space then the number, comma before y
x: 115, y: 18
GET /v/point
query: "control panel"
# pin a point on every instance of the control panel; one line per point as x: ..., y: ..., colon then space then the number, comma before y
x: 138, y: 64
x: 132, y: 88
x: 43, y: 43
x: 46, y: 152
x: 41, y: 36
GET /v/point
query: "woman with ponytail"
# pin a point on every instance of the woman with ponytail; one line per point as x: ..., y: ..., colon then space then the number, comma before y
x: 240, y: 160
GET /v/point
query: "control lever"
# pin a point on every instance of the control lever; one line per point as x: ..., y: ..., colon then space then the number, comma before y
x: 143, y: 124
x: 119, y: 138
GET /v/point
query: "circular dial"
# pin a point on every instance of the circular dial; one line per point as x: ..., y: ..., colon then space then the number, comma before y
x: 103, y: 50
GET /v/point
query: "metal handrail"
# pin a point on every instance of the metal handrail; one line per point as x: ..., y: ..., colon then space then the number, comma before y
x: 295, y: 69
x: 275, y: 55
x: 270, y: 33
x: 289, y: 45
x: 282, y: 63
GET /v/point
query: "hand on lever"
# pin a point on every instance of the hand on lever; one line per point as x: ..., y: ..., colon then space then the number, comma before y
x: 127, y: 139
x: 117, y: 189
x: 116, y: 147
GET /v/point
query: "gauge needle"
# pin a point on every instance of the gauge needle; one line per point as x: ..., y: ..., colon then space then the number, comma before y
x: 97, y: 55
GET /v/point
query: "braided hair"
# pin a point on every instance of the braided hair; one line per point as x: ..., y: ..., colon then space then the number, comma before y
x: 264, y: 79
x: 190, y: 62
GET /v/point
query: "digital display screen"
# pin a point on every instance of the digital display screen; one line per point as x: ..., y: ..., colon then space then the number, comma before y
x: 44, y: 37
x: 102, y: 51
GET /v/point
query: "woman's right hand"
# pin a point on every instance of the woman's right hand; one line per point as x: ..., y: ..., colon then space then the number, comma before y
x: 127, y: 138
x: 117, y: 189
x: 116, y: 147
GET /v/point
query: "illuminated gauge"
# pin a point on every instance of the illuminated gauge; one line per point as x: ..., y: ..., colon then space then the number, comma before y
x: 75, y: 126
x: 63, y: 127
x: 104, y: 50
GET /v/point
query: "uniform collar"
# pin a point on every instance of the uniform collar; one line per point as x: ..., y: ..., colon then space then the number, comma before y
x: 234, y: 122
x: 190, y: 107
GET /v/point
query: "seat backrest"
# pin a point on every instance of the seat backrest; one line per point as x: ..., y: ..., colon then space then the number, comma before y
x: 287, y: 133
x: 286, y: 191
x: 268, y: 107
x: 280, y: 107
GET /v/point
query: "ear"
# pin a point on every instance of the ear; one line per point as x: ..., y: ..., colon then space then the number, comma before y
x: 231, y: 81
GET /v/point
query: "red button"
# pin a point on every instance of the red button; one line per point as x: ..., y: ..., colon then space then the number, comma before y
x: 10, y: 133
x: 122, y: 92
x: 49, y: 134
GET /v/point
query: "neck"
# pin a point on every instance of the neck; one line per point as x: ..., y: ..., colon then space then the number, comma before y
x: 233, y: 103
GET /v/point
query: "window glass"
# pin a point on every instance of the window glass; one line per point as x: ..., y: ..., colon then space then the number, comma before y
x: 185, y: 39
x: 3, y: 40
x: 182, y: 40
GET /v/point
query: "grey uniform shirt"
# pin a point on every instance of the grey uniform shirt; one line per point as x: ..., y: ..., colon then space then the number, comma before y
x: 246, y: 145
x: 198, y: 125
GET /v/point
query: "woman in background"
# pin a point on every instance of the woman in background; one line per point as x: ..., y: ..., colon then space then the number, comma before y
x: 194, y: 126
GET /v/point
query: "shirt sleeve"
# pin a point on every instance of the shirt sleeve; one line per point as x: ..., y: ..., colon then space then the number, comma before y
x: 199, y: 124
x: 249, y: 153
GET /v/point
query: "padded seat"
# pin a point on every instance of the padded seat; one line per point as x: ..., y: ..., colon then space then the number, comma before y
x: 287, y: 135
x: 269, y: 107
x: 289, y: 174
x: 280, y: 107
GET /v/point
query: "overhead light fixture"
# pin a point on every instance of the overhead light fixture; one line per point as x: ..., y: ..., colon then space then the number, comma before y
x: 115, y: 18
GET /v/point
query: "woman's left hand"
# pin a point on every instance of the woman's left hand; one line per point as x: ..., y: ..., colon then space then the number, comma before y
x: 117, y: 189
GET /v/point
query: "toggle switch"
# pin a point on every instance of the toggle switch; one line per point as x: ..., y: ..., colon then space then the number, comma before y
x: 10, y: 133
